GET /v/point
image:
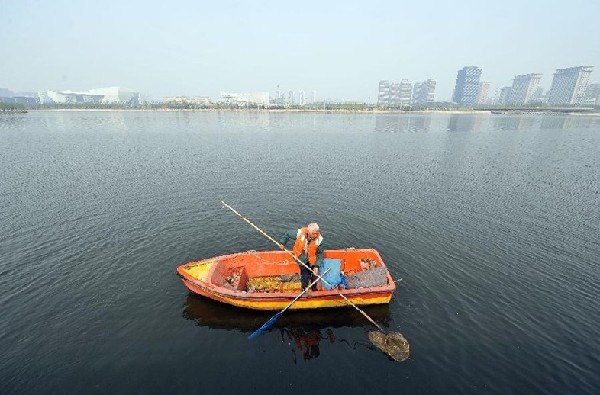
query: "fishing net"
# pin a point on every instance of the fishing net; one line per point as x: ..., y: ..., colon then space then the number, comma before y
x: 393, y: 344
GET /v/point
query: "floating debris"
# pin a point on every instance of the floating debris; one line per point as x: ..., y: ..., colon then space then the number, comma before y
x: 393, y: 344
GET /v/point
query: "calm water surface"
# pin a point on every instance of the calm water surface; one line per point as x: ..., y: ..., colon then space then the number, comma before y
x: 490, y: 224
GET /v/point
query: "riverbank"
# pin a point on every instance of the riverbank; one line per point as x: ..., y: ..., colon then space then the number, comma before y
x: 13, y: 111
x: 261, y: 110
x: 579, y: 112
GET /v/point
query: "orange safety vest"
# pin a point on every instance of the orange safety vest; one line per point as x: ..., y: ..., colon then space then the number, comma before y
x: 309, y: 248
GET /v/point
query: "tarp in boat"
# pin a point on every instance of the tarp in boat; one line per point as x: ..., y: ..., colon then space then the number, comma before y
x: 332, y: 277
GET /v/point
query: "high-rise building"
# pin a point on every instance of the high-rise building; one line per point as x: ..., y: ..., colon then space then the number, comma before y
x: 523, y: 88
x: 503, y: 96
x: 424, y: 92
x: 466, y: 91
x: 394, y: 93
x: 569, y: 86
x: 538, y: 96
x: 405, y: 93
x: 593, y: 94
x: 484, y: 91
x: 384, y: 97
x: 302, y: 97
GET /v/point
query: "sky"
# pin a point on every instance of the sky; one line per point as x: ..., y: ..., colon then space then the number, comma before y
x: 340, y: 49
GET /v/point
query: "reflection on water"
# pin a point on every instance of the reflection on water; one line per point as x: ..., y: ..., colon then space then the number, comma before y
x: 12, y: 121
x: 475, y: 122
x: 306, y: 342
x: 302, y: 330
x: 515, y: 122
x: 242, y: 122
x: 569, y: 122
x: 464, y: 123
x: 396, y: 123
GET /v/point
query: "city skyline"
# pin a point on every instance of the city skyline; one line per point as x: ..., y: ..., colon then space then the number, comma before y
x: 569, y: 86
x: 184, y: 48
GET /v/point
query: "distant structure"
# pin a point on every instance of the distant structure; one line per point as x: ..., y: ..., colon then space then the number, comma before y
x: 112, y: 95
x: 484, y: 92
x: 394, y: 94
x: 256, y: 98
x: 523, y: 88
x: 5, y: 92
x: 8, y: 96
x: 384, y: 97
x: 593, y: 94
x: 291, y: 97
x: 424, y: 92
x: 503, y: 96
x: 466, y: 91
x: 569, y: 85
x: 194, y: 100
x: 404, y: 93
x: 538, y: 96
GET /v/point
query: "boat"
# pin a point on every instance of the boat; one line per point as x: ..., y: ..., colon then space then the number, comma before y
x: 270, y: 280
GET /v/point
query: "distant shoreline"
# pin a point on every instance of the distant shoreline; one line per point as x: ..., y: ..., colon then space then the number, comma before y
x: 262, y: 110
x: 329, y: 111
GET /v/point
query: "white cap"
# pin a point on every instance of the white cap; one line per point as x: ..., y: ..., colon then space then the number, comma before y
x: 313, y: 227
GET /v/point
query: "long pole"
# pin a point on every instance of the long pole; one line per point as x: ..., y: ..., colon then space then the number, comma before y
x: 300, y: 262
x: 272, y: 320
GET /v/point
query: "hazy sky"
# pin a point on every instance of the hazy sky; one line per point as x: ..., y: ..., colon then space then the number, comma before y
x: 340, y: 49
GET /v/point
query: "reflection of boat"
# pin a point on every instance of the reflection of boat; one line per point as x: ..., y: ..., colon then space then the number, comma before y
x: 304, y: 331
x: 215, y: 315
x: 228, y: 278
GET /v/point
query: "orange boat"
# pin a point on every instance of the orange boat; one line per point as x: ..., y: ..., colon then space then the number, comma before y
x: 270, y: 280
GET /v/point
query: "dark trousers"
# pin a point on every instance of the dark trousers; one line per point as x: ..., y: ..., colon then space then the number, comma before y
x: 306, y: 277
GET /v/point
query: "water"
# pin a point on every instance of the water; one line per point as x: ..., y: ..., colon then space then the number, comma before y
x: 489, y: 223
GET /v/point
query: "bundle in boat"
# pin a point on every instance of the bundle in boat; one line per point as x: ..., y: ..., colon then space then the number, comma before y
x: 369, y: 278
x: 270, y: 284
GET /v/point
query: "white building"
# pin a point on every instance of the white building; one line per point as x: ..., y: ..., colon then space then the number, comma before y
x: 195, y: 100
x: 424, y: 92
x: 259, y: 98
x: 523, y: 88
x: 569, y: 86
x: 484, y: 91
x: 394, y: 94
x: 101, y: 96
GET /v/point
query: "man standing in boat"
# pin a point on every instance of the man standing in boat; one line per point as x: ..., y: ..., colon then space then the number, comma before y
x: 308, y: 248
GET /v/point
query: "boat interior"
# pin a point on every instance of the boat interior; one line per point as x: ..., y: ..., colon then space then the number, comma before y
x: 259, y: 271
